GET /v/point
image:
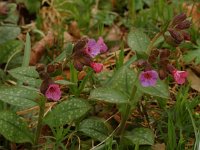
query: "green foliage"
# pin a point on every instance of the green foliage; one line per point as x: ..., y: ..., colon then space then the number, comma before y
x: 14, y: 128
x: 138, y: 41
x: 140, y: 136
x: 8, y: 48
x: 27, y: 75
x: 8, y: 32
x: 109, y: 95
x: 19, y: 96
x: 95, y: 128
x: 66, y: 112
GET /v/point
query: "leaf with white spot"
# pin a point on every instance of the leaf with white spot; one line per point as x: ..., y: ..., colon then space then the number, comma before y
x: 109, y: 95
x: 141, y: 136
x: 26, y: 75
x: 18, y: 96
x: 67, y: 111
x: 8, y: 48
x: 123, y: 80
x: 159, y: 90
x: 94, y: 128
x: 13, y: 128
x: 138, y: 41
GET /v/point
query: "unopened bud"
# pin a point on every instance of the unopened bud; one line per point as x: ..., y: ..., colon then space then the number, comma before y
x: 183, y: 25
x: 39, y: 67
x: 152, y: 58
x: 186, y: 36
x: 155, y: 52
x: 3, y: 9
x: 50, y: 68
x: 141, y: 63
x: 170, y: 68
x: 171, y: 41
x: 179, y: 18
x: 164, y: 63
x: 164, y: 53
x: 162, y: 74
x: 176, y: 35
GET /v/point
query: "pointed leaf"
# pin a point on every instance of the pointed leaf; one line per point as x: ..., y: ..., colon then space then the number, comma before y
x: 27, y: 75
x: 138, y: 41
x: 109, y: 95
x: 67, y: 111
x: 14, y: 128
x: 141, y: 136
x: 95, y: 128
x: 18, y: 96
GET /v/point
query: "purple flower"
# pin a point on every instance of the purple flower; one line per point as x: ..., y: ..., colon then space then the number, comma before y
x: 95, y: 48
x: 53, y: 92
x: 148, y: 78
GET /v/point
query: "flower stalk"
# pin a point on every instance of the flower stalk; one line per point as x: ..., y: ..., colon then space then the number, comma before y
x: 40, y: 118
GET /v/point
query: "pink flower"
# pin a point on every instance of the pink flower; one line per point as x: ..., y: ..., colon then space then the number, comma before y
x: 103, y: 46
x: 53, y: 92
x: 95, y: 48
x: 179, y: 76
x: 97, y: 67
x: 148, y: 78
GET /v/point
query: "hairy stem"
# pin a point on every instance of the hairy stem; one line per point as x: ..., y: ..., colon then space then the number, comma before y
x: 39, y: 125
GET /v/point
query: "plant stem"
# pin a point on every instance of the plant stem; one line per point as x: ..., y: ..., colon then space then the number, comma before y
x: 40, y: 118
x: 153, y: 41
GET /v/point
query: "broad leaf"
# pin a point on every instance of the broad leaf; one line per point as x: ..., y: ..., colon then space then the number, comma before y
x: 18, y: 96
x: 123, y: 80
x: 159, y: 90
x: 7, y: 49
x: 141, y: 136
x: 109, y: 95
x: 95, y: 128
x: 8, y: 32
x: 138, y: 41
x: 67, y: 111
x: 13, y: 128
x: 26, y: 75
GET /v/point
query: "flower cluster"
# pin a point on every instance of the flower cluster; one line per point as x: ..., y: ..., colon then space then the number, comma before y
x: 149, y: 77
x: 85, y: 50
x: 177, y: 30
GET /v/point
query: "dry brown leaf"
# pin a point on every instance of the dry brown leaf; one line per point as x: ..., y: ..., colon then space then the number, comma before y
x: 194, y: 80
x: 39, y: 48
x: 158, y: 146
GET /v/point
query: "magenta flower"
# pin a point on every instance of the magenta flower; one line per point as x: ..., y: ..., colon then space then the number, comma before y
x: 53, y: 92
x: 148, y: 78
x: 179, y: 76
x: 103, y: 46
x: 97, y: 67
x: 95, y: 48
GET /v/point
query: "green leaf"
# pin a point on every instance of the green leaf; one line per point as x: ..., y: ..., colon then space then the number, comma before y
x: 64, y: 82
x: 14, y: 128
x: 8, y: 48
x: 123, y: 80
x: 8, y: 32
x: 95, y: 128
x: 138, y: 41
x: 109, y: 95
x: 26, y: 75
x: 67, y: 111
x: 159, y: 90
x: 27, y: 51
x: 192, y: 55
x: 141, y: 136
x: 18, y: 96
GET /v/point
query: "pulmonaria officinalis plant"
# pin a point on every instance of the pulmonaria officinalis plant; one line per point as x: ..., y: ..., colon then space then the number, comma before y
x: 85, y: 50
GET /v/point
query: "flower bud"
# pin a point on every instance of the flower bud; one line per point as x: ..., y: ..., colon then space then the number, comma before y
x: 183, y: 25
x: 155, y: 52
x: 50, y: 68
x: 179, y: 18
x: 186, y: 36
x: 171, y: 41
x: 152, y: 58
x: 141, y: 63
x: 162, y: 74
x: 164, y: 53
x: 3, y: 9
x: 176, y: 35
x: 39, y: 67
